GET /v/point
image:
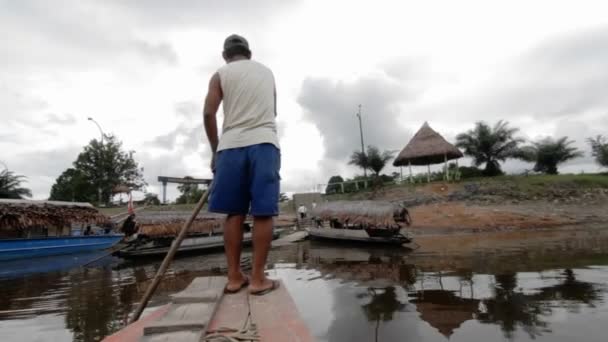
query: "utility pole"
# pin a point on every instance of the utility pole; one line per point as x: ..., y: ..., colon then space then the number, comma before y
x: 102, y: 135
x: 362, y: 144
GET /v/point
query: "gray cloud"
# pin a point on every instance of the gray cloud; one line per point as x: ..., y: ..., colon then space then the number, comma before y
x: 68, y: 35
x: 189, y: 109
x: 563, y: 76
x: 156, y: 52
x: 65, y: 119
x: 192, y: 12
x: 189, y: 129
x: 332, y: 107
x: 54, y: 162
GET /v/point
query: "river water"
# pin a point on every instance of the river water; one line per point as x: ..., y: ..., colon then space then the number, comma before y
x: 541, y: 286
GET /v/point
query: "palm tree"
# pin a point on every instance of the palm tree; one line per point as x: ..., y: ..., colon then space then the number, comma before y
x: 10, y: 185
x: 547, y: 154
x: 489, y: 145
x: 599, y: 150
x: 373, y: 159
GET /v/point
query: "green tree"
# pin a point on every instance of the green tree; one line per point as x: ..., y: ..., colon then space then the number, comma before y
x: 190, y: 193
x: 333, y: 188
x: 599, y: 150
x: 489, y: 145
x: 283, y: 197
x: 151, y: 199
x: 10, y: 185
x: 71, y: 185
x: 373, y: 160
x: 547, y: 154
x: 103, y: 167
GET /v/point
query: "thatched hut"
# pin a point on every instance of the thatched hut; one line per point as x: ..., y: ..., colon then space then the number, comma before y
x: 168, y: 223
x: 427, y: 147
x: 22, y: 218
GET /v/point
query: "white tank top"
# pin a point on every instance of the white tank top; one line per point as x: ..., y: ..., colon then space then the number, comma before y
x: 249, y: 108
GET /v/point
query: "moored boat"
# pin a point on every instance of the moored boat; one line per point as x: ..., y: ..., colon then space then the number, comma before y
x: 43, y: 228
x: 160, y: 247
x: 361, y: 221
x: 156, y: 231
x: 11, y: 249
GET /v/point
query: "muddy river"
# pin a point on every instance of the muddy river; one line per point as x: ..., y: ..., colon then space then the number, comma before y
x: 511, y: 286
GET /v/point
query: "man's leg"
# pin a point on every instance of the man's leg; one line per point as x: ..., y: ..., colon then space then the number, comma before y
x: 233, y: 243
x: 230, y: 195
x: 265, y: 164
x: 262, y: 238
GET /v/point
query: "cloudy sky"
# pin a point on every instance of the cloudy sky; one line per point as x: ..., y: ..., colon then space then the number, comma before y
x: 141, y: 69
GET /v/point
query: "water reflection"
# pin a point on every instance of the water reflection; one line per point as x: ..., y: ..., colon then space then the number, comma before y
x: 369, y: 294
x: 445, y: 310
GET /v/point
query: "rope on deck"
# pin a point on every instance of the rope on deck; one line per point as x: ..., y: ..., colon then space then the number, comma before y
x: 248, y: 333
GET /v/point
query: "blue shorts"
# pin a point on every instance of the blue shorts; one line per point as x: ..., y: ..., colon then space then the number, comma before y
x: 247, y: 181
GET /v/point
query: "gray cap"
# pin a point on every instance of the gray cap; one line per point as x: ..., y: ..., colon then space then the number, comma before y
x: 235, y: 40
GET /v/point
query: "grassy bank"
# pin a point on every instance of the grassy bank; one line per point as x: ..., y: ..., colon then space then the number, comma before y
x: 517, y: 187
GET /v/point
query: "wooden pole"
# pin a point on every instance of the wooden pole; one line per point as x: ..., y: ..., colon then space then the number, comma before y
x: 447, y: 172
x: 409, y: 162
x: 428, y: 173
x: 167, y: 261
x: 401, y: 172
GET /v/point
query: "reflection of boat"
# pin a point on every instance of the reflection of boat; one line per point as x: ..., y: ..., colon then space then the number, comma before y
x: 191, y: 244
x: 28, y: 248
x: 56, y: 263
x: 361, y: 221
x: 43, y: 228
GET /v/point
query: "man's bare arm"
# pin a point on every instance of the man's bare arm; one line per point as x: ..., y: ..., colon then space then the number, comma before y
x: 212, y: 103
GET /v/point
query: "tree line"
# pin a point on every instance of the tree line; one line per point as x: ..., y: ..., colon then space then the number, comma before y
x: 489, y: 146
x: 104, y: 168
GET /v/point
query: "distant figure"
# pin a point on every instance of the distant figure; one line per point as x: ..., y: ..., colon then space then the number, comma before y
x: 87, y: 230
x: 302, y: 210
x: 129, y: 227
x: 314, y: 205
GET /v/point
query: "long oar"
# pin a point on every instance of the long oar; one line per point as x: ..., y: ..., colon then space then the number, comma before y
x: 174, y: 247
x: 107, y: 254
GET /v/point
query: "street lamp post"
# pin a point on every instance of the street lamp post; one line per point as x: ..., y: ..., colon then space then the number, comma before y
x: 362, y: 144
x: 102, y: 135
x: 98, y: 126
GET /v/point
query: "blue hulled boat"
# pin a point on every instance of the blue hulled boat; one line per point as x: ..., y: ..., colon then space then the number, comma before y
x: 11, y: 249
x: 31, y: 229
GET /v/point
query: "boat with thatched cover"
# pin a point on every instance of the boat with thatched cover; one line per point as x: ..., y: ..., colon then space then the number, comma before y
x: 42, y: 228
x: 361, y: 221
x: 156, y: 230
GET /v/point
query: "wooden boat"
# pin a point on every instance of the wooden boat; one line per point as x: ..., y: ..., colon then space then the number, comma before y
x: 192, y: 244
x: 361, y: 221
x: 203, y: 312
x: 43, y: 228
x: 156, y: 230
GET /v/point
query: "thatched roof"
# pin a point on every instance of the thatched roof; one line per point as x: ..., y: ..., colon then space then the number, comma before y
x: 427, y: 147
x: 23, y: 214
x: 372, y: 213
x: 169, y: 223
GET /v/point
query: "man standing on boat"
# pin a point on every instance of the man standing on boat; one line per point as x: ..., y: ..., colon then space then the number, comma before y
x: 246, y: 159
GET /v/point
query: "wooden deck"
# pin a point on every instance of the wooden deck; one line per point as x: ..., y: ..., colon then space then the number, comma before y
x: 202, y: 311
